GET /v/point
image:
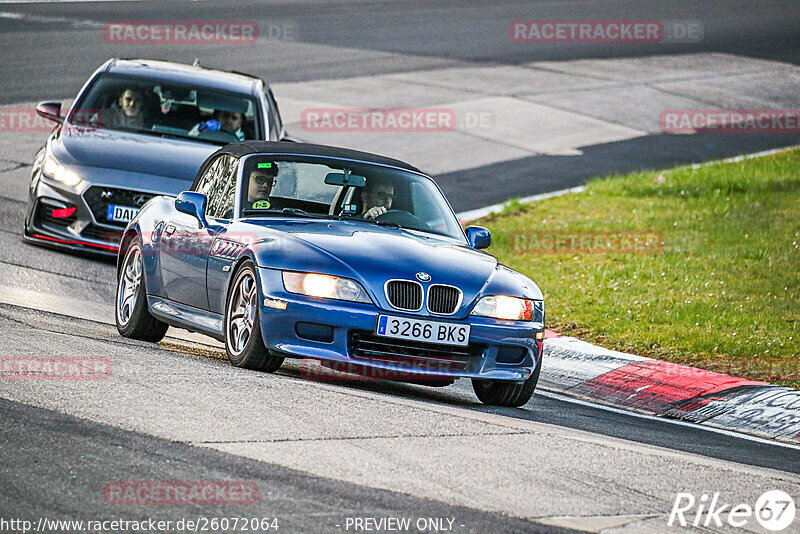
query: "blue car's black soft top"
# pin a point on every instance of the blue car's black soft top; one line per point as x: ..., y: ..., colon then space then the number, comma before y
x: 245, y: 148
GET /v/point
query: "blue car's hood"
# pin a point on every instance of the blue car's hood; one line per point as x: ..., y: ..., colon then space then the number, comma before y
x: 373, y: 254
x: 124, y: 151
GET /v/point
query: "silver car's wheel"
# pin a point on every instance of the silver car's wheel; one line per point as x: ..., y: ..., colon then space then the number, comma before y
x: 243, y: 342
x: 128, y: 290
x: 132, y: 316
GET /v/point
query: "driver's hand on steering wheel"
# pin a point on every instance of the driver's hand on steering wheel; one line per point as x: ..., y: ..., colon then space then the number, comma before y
x: 377, y: 211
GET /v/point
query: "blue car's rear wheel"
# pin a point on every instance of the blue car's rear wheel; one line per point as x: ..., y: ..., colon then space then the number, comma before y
x: 243, y: 342
x: 506, y: 392
x: 132, y: 316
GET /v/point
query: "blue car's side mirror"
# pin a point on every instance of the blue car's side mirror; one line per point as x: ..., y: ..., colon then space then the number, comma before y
x: 193, y: 204
x: 478, y: 236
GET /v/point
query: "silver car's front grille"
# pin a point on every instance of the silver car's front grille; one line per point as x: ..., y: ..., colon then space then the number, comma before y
x: 443, y: 299
x: 404, y: 294
x: 98, y: 233
x: 98, y: 198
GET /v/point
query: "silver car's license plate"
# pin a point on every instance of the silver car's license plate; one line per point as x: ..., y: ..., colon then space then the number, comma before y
x: 425, y: 331
x: 121, y: 213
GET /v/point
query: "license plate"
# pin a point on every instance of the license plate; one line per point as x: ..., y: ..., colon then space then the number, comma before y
x: 425, y: 331
x: 121, y: 213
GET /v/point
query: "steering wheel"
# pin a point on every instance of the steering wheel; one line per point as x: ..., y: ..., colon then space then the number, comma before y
x: 223, y: 134
x: 403, y: 218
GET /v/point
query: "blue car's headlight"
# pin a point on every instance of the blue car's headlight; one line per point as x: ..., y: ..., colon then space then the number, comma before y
x: 503, y: 307
x: 324, y: 286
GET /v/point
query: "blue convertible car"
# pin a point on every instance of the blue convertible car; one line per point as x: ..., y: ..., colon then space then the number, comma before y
x: 304, y: 251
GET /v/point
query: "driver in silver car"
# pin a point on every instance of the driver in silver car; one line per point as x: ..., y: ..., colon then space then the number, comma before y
x: 376, y: 198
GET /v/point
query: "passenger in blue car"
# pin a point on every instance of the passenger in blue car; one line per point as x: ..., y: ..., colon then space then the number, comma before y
x: 227, y: 121
x: 260, y: 184
x: 376, y: 197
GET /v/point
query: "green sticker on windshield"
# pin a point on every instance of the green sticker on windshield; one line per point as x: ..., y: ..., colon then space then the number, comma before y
x: 261, y: 205
x: 265, y: 165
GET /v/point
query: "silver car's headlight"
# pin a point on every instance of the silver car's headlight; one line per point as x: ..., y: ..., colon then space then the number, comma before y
x: 324, y: 286
x: 54, y: 170
x: 503, y: 307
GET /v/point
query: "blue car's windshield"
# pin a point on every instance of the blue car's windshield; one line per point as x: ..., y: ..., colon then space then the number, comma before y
x: 167, y: 109
x: 362, y: 192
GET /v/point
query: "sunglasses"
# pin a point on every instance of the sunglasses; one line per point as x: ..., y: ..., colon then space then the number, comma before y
x: 381, y: 195
x: 261, y: 180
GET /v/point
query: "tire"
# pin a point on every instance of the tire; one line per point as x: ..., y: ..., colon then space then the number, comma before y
x: 243, y: 342
x: 130, y: 311
x: 505, y: 392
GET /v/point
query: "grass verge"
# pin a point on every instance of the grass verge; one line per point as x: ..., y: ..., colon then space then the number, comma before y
x: 713, y: 280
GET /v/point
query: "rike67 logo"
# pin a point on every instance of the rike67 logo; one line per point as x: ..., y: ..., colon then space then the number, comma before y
x: 774, y: 510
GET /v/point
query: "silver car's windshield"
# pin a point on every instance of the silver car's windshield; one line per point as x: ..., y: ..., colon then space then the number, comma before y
x: 167, y: 109
x: 368, y: 193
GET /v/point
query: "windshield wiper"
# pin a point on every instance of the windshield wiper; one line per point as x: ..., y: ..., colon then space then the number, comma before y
x: 303, y: 213
x: 285, y: 211
x: 385, y: 223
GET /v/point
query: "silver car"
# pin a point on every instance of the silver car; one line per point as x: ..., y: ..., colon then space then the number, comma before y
x: 138, y: 129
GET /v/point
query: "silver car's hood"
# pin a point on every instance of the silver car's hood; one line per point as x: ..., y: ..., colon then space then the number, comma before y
x: 130, y: 152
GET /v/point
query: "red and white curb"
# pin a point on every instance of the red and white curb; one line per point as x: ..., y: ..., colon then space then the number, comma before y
x: 579, y: 369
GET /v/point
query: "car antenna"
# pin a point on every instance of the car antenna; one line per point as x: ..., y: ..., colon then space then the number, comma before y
x: 196, y: 62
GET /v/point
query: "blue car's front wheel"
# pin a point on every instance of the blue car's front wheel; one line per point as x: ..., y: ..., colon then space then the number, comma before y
x: 505, y: 392
x: 243, y: 342
x: 132, y: 316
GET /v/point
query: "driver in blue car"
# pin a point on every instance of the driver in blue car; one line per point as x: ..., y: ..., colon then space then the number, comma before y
x: 262, y: 180
x: 376, y: 198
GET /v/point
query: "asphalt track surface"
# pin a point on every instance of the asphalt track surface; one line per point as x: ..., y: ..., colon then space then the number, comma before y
x: 49, y: 50
x: 59, y: 448
x: 49, y: 448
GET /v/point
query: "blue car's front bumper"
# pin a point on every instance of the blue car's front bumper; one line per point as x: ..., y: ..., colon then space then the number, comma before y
x: 335, y: 330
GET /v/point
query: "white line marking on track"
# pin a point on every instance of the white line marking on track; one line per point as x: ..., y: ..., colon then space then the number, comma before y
x: 50, y: 20
x: 483, y: 212
x: 731, y: 433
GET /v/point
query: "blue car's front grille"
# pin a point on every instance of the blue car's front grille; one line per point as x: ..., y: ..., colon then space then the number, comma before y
x: 412, y: 355
x: 404, y: 294
x: 443, y: 299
